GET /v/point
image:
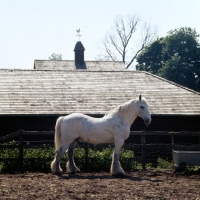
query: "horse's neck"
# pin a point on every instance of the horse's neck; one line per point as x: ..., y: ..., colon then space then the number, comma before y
x: 129, y: 115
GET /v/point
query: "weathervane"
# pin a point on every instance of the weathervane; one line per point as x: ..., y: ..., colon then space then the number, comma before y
x: 78, y: 34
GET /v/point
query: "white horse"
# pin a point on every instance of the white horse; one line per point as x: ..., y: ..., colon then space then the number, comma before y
x: 114, y: 127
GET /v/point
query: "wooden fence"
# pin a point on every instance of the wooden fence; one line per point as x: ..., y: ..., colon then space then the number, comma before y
x: 143, y: 146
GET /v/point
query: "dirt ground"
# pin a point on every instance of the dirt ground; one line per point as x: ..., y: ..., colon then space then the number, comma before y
x: 136, y: 185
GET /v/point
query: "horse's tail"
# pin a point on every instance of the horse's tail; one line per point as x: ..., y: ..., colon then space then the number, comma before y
x: 57, y: 138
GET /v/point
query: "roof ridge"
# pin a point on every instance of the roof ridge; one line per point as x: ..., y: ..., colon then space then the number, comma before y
x: 67, y: 70
x: 85, y: 60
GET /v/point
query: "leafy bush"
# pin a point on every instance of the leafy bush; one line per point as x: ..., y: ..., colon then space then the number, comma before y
x: 164, y: 164
x: 33, y: 159
x: 88, y: 159
x: 127, y: 160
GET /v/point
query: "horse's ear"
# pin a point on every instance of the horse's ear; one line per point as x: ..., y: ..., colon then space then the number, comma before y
x: 140, y: 97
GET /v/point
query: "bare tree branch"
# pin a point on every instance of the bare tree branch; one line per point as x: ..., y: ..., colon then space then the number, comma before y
x: 114, y: 43
x: 121, y: 40
x: 109, y: 52
x: 148, y: 35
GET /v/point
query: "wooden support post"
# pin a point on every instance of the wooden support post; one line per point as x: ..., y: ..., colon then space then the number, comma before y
x: 143, y: 150
x: 172, y: 139
x: 21, y: 152
x: 86, y: 155
x: 199, y: 139
x: 172, y: 142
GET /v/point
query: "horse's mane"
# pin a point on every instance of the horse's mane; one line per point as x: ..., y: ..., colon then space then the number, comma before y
x: 121, y: 108
x: 125, y: 106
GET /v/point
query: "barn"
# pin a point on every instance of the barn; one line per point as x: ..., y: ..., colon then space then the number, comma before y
x: 32, y: 100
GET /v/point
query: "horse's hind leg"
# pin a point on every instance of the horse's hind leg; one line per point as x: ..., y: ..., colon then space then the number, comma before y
x: 116, y: 168
x: 55, y: 165
x: 71, y: 167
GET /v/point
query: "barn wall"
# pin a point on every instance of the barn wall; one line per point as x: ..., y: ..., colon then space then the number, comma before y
x: 9, y: 124
x: 169, y: 123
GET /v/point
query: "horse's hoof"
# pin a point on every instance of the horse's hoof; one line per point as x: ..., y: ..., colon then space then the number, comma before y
x: 119, y: 175
x: 58, y: 173
x: 73, y: 170
x: 77, y: 170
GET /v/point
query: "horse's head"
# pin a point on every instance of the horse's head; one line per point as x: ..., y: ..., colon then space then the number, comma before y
x: 143, y: 110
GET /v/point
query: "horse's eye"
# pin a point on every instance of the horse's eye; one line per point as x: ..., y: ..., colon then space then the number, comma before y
x: 142, y: 107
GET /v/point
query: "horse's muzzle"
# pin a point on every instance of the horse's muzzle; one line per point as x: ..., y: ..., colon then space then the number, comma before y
x: 147, y: 121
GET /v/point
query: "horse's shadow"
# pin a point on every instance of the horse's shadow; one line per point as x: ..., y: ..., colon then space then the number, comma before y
x: 104, y: 177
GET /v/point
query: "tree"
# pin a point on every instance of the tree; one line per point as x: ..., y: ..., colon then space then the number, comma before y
x: 120, y: 42
x: 151, y: 58
x: 175, y: 57
x: 55, y: 56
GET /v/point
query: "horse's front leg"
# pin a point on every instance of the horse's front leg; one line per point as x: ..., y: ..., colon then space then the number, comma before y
x: 116, y: 168
x: 71, y: 167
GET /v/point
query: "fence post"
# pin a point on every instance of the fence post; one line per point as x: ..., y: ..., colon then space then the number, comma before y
x: 21, y: 152
x: 143, y: 149
x: 172, y: 139
x: 86, y: 156
x: 172, y: 143
x: 199, y: 139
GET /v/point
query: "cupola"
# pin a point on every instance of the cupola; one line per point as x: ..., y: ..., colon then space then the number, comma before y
x: 79, y: 56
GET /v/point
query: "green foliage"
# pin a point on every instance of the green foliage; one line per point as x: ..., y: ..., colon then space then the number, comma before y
x: 55, y: 56
x: 149, y: 166
x: 187, y: 169
x: 99, y: 159
x: 89, y: 159
x: 175, y: 57
x: 127, y: 160
x: 34, y: 159
x: 164, y: 164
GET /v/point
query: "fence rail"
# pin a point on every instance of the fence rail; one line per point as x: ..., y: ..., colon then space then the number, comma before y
x: 143, y: 146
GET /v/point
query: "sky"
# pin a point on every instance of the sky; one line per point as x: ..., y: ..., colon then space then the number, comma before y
x: 34, y: 29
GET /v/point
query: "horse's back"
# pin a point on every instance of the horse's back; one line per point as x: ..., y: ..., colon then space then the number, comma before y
x: 77, y: 122
x: 77, y: 118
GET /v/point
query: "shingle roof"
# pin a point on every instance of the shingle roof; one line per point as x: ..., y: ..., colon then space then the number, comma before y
x: 70, y: 65
x: 90, y: 92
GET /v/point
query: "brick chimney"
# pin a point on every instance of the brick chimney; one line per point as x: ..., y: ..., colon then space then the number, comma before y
x: 79, y: 56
